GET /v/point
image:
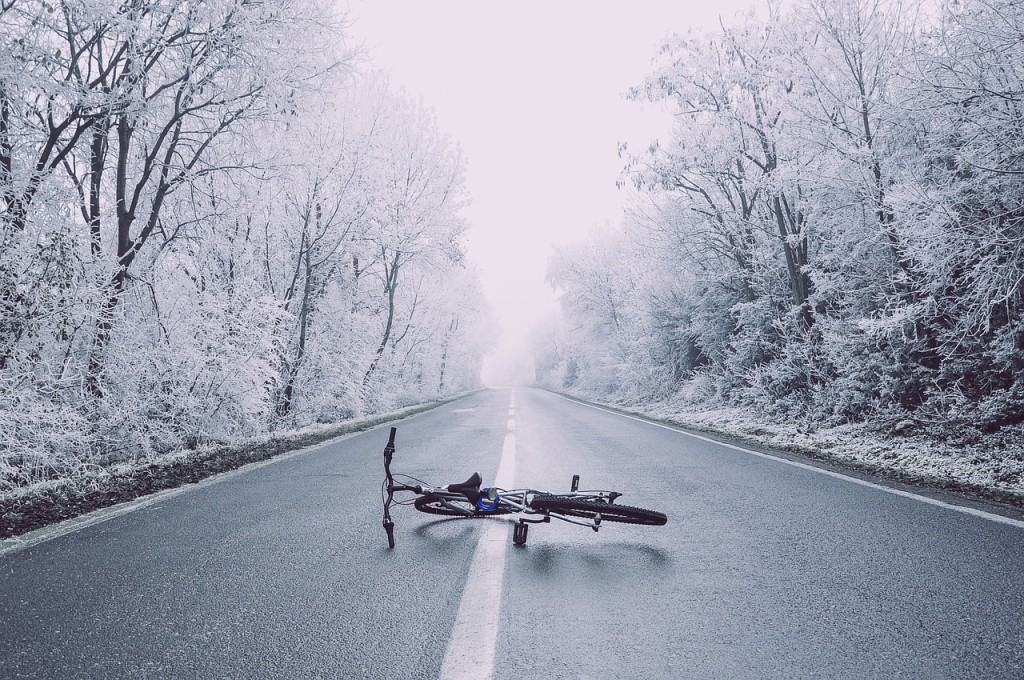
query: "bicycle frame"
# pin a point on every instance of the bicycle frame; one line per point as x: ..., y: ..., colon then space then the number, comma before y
x: 517, y: 501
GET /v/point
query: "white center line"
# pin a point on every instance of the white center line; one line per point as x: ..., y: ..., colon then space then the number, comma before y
x: 474, y: 639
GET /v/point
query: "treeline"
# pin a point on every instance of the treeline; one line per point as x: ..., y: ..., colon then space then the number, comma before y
x: 833, y: 232
x: 211, y: 227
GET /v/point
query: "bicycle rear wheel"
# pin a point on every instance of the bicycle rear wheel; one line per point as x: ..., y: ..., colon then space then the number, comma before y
x: 436, y: 504
x: 588, y: 509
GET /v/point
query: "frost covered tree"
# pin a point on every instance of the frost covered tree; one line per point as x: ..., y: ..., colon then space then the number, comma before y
x: 963, y: 198
x: 413, y: 228
x: 204, y: 211
x: 731, y: 187
x: 835, y: 220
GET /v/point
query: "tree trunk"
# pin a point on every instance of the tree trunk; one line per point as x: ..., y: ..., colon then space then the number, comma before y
x: 790, y: 226
x: 284, y: 404
x: 6, y: 150
x: 97, y: 164
x: 452, y: 327
x: 391, y: 281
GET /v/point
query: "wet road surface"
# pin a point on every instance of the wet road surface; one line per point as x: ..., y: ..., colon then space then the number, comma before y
x: 764, y: 569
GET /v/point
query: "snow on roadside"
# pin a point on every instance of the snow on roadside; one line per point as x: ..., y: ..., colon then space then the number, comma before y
x: 992, y: 463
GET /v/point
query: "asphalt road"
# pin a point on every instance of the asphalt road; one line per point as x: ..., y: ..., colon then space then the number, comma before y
x: 764, y: 569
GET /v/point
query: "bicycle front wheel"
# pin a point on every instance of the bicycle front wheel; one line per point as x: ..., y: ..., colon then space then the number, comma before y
x: 588, y: 509
x: 436, y: 504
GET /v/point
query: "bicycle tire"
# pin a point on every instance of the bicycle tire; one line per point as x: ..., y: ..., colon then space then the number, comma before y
x: 610, y: 512
x: 433, y: 504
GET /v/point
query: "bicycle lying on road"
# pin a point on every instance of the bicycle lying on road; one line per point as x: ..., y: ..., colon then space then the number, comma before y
x: 468, y: 499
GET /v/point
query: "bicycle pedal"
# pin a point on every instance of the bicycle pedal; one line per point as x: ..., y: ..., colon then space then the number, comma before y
x: 519, y: 533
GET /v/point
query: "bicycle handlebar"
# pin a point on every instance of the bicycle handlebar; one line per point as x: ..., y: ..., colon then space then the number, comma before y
x: 389, y: 482
x: 390, y: 487
x: 470, y: 489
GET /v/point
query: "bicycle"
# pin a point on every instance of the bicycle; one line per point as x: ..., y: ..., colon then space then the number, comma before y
x: 467, y: 499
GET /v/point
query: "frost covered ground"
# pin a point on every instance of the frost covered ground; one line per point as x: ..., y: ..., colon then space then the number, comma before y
x: 990, y: 466
x: 29, y: 508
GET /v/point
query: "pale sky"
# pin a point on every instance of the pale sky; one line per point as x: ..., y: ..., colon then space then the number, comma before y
x: 534, y: 93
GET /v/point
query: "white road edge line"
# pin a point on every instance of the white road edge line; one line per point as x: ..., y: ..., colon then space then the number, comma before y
x: 474, y: 639
x: 804, y: 466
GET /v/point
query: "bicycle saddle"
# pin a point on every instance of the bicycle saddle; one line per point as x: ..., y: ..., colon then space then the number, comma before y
x: 469, y: 488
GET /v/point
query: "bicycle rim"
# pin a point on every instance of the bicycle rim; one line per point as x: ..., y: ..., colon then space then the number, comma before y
x: 609, y: 512
x: 435, y: 504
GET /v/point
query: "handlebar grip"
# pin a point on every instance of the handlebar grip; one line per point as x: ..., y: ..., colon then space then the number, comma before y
x: 391, y: 439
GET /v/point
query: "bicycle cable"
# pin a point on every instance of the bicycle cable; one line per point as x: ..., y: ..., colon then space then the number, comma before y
x: 405, y: 476
x: 405, y: 479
